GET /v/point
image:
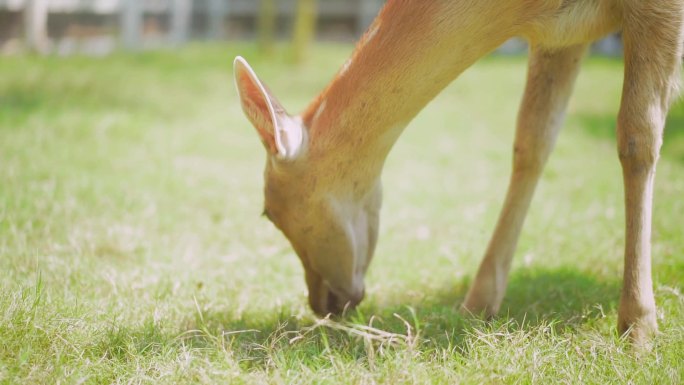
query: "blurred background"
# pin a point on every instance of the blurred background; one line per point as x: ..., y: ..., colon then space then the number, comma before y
x: 98, y: 27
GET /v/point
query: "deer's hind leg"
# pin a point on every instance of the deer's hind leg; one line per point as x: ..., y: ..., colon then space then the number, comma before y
x: 653, y: 49
x: 550, y: 79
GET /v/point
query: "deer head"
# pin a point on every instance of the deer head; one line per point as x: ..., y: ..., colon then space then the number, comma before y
x: 317, y: 198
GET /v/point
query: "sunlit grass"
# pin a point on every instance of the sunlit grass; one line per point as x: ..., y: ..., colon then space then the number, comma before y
x: 132, y: 250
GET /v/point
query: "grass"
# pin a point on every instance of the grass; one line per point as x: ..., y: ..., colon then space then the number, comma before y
x: 132, y: 250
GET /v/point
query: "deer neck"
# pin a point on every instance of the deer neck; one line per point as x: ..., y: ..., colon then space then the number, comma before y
x: 410, y: 53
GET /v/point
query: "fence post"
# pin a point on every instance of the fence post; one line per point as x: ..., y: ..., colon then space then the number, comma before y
x: 266, y: 25
x: 304, y: 28
x: 35, y: 25
x: 218, y: 10
x: 180, y: 20
x: 131, y: 22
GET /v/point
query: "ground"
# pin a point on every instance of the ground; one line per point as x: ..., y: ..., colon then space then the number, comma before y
x: 132, y: 249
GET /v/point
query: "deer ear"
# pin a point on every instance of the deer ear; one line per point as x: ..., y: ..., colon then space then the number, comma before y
x: 282, y: 134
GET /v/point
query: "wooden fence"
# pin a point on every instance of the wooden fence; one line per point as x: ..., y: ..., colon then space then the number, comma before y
x: 139, y: 23
x: 100, y: 26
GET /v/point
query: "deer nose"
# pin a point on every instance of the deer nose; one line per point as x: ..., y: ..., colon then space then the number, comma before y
x: 329, y: 302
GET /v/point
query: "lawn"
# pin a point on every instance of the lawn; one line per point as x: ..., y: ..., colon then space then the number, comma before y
x: 132, y: 249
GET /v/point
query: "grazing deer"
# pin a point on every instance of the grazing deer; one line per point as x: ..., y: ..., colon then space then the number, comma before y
x: 323, y: 167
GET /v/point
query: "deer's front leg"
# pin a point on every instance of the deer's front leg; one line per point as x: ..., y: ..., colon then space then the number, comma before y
x: 653, y: 48
x: 551, y: 75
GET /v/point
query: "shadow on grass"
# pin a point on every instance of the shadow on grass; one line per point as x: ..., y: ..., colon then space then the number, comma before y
x: 565, y: 299
x: 603, y: 127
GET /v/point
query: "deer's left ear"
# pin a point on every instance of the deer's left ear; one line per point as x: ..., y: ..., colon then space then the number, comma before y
x: 282, y: 134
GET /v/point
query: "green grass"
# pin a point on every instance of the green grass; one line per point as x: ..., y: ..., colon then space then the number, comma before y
x: 132, y: 250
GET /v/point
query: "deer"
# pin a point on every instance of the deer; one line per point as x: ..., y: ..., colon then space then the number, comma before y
x: 322, y: 176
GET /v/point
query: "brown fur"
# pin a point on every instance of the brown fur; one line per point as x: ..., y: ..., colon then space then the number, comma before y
x: 323, y: 170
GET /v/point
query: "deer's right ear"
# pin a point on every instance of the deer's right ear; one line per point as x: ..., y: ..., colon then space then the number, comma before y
x: 281, y: 134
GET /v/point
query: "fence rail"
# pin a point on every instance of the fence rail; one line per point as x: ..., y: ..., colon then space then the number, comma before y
x: 135, y: 23
x: 331, y: 7
x: 99, y: 26
x: 95, y: 6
